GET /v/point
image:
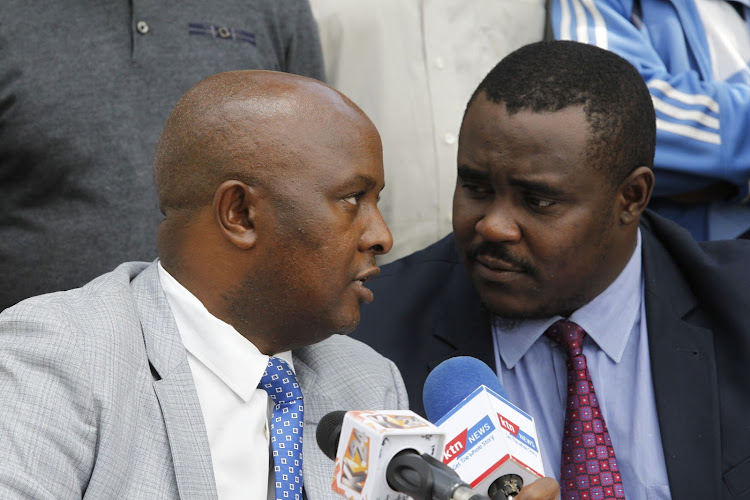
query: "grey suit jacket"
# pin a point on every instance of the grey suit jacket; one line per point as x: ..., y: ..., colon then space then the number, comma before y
x: 97, y: 400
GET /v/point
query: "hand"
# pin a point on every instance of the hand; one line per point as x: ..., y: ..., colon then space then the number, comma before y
x: 545, y: 488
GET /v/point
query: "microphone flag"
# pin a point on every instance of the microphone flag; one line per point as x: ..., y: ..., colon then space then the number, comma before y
x: 487, y: 437
x: 369, y: 440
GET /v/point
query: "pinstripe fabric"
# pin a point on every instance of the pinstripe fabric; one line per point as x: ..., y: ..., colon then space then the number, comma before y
x: 97, y: 400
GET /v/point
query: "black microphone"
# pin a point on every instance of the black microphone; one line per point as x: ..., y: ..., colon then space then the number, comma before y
x: 386, y: 453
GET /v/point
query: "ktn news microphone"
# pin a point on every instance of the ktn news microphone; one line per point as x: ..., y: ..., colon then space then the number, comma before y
x: 383, y: 455
x: 490, y: 443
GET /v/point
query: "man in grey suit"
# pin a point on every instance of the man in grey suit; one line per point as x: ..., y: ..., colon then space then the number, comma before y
x: 144, y: 382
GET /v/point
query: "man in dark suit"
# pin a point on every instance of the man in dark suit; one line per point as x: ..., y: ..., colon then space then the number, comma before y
x: 551, y: 231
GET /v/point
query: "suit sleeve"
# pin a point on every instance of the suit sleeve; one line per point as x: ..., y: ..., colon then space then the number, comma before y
x: 47, y: 423
x: 701, y: 125
x: 400, y: 397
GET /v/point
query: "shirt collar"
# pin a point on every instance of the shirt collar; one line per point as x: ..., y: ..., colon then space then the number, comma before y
x: 236, y: 361
x: 608, y: 318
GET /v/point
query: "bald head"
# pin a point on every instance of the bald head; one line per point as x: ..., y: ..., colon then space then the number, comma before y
x: 269, y: 185
x: 242, y: 125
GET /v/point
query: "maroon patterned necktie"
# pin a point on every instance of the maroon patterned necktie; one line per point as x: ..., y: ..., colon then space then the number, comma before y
x: 589, y: 468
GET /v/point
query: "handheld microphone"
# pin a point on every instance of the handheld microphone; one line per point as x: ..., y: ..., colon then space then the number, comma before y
x: 491, y: 444
x: 388, y: 455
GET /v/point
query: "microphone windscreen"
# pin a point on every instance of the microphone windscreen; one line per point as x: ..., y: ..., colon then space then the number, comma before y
x: 329, y: 431
x: 452, y: 381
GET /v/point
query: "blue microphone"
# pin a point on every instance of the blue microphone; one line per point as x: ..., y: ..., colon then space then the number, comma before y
x: 452, y: 381
x: 490, y: 443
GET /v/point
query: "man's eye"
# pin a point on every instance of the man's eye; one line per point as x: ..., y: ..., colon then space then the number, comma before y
x: 476, y: 190
x: 353, y: 199
x: 540, y: 203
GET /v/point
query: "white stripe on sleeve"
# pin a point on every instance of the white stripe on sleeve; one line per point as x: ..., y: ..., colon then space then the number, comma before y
x: 677, y: 95
x: 688, y: 131
x: 693, y: 115
x: 600, y: 28
x: 582, y: 29
x: 564, y: 20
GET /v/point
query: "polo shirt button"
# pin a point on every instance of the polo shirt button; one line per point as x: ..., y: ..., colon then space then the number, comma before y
x: 142, y: 27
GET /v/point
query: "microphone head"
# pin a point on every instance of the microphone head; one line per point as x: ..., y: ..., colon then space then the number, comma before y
x: 454, y: 379
x: 329, y: 431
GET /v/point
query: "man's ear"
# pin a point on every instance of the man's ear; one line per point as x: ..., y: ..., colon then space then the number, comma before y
x: 234, y: 213
x: 634, y: 194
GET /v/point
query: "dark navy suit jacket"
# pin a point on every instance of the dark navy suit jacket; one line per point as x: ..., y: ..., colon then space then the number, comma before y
x: 698, y: 314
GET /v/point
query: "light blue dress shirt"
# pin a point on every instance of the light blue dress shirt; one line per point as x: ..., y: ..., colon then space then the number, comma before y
x: 533, y: 370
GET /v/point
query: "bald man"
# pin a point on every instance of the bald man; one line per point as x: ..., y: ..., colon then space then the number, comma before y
x: 144, y: 383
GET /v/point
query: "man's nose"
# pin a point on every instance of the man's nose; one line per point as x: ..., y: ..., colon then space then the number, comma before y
x: 377, y: 236
x: 499, y: 224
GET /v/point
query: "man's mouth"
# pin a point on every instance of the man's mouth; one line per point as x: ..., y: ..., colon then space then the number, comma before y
x: 365, y: 294
x: 497, y: 258
x: 367, y: 275
x: 498, y: 265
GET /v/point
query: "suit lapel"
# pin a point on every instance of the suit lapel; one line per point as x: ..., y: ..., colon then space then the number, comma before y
x: 684, y: 376
x: 175, y: 390
x: 187, y: 435
x: 317, y: 469
x: 305, y: 374
x: 463, y: 325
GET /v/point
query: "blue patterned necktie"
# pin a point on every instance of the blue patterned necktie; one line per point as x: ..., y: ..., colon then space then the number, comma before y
x: 281, y: 385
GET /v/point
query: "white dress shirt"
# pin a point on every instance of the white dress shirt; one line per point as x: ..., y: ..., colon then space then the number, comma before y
x: 412, y: 65
x: 226, y: 369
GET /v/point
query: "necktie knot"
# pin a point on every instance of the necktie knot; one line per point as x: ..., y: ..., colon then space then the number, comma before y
x: 280, y: 382
x: 569, y: 335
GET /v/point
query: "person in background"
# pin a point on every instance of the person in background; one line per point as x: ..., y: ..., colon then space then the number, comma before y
x: 623, y: 337
x: 84, y: 91
x: 695, y: 58
x: 411, y: 65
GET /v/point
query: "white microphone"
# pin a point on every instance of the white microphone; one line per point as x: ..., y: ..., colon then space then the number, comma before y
x: 490, y: 443
x: 387, y: 455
